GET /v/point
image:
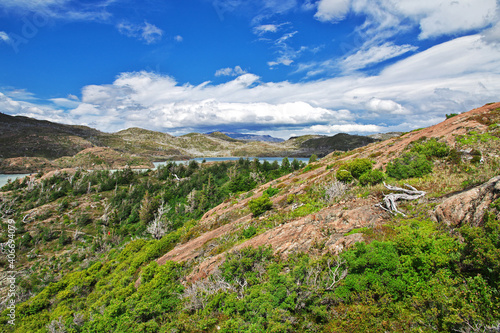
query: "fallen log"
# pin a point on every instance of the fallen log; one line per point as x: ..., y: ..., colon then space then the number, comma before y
x: 390, y: 199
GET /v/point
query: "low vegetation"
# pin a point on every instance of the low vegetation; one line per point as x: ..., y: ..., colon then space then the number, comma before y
x: 88, y: 246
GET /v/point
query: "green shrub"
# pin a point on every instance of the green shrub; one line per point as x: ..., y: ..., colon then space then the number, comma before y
x: 249, y: 232
x: 431, y: 148
x: 409, y: 165
x: 372, y: 177
x: 359, y: 166
x: 270, y: 191
x: 260, y: 205
x: 344, y: 176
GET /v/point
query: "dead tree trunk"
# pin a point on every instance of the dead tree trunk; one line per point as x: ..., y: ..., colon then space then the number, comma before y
x: 390, y: 199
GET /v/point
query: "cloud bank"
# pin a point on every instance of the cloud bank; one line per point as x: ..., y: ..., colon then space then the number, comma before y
x: 418, y: 91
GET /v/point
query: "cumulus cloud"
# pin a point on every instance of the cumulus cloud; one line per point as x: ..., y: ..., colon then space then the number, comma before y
x: 228, y: 71
x: 22, y: 108
x: 418, y: 91
x: 385, y: 106
x: 146, y: 32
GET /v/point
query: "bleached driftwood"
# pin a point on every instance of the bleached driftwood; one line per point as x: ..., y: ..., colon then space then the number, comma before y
x: 390, y: 199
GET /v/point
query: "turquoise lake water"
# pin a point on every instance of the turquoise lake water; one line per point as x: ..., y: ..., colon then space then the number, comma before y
x: 4, y: 177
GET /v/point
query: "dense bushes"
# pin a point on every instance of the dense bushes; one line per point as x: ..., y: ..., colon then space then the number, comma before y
x: 431, y: 148
x: 421, y: 279
x: 260, y: 205
x: 344, y: 176
x: 372, y: 177
x: 359, y: 166
x: 418, y: 161
x: 409, y: 165
x: 361, y: 169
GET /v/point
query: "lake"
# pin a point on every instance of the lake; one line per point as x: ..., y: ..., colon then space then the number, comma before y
x: 223, y: 159
x: 5, y: 177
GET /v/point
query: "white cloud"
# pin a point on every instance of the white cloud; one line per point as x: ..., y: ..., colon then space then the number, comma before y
x: 434, y: 17
x: 492, y: 35
x: 385, y: 106
x: 346, y: 128
x: 150, y: 33
x: 268, y: 28
x: 228, y: 71
x: 65, y: 102
x: 60, y: 9
x: 262, y: 29
x: 27, y: 109
x: 374, y: 55
x: 286, y: 53
x: 332, y: 10
x: 146, y: 32
x: 418, y: 91
x: 178, y: 38
x: 444, y: 17
x: 4, y: 37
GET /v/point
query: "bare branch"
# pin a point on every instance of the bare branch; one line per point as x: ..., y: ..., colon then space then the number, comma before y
x: 390, y: 199
x: 160, y: 226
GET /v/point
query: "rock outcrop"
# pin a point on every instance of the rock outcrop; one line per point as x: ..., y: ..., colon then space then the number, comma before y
x: 468, y: 207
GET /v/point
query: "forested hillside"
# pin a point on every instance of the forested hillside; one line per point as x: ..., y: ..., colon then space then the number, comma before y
x: 396, y: 236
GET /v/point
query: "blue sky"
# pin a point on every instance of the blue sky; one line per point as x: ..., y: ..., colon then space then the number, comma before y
x: 283, y: 68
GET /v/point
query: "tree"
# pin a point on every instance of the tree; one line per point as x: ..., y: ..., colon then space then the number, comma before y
x: 313, y: 158
x: 285, y: 163
x: 295, y: 164
x: 148, y: 206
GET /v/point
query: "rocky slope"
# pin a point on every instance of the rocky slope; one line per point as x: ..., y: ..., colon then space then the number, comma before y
x: 323, y: 256
x: 329, y: 225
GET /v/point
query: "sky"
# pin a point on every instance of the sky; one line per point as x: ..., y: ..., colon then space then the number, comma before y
x: 277, y: 67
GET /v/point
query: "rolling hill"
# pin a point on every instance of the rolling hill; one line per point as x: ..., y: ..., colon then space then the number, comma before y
x: 29, y: 145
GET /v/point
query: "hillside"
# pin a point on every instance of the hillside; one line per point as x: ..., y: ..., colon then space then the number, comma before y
x: 27, y: 137
x: 30, y: 145
x: 261, y: 247
x: 341, y: 142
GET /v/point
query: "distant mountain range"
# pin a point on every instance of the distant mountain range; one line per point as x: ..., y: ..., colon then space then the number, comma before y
x: 251, y: 137
x: 28, y: 144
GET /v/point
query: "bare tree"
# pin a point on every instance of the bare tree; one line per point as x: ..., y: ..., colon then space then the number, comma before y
x: 56, y: 326
x: 198, y: 292
x: 390, y: 199
x: 320, y: 278
x: 160, y: 226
